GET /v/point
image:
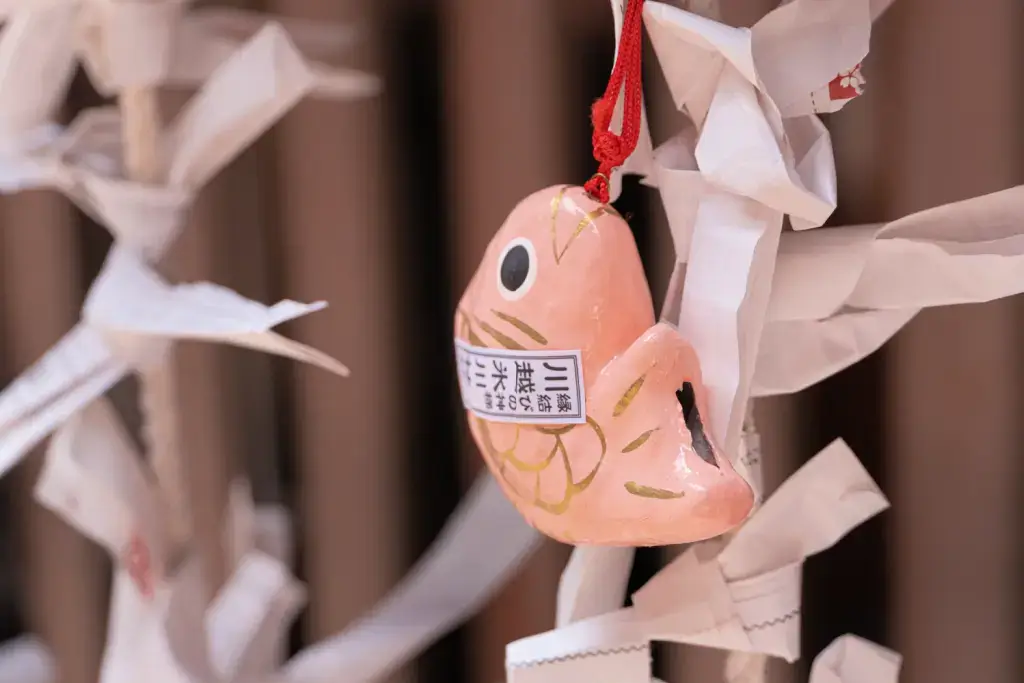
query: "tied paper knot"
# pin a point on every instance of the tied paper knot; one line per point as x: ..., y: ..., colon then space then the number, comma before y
x: 84, y: 161
x: 131, y: 314
x: 131, y: 44
x: 758, y: 81
x: 94, y: 478
x: 738, y: 594
x: 755, y: 152
x: 161, y: 626
x: 130, y: 318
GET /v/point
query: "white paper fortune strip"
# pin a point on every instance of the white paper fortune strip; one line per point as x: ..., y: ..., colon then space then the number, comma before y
x: 95, y: 479
x: 157, y: 43
x: 157, y: 632
x: 743, y: 594
x: 595, y: 579
x: 251, y: 533
x: 38, y: 57
x: 266, y: 528
x: 250, y: 617
x: 840, y: 293
x: 216, y: 125
x: 478, y: 550
x: 849, y: 659
x: 244, y: 96
x: 130, y: 316
x: 26, y: 660
x: 758, y: 152
x: 34, y: 74
x: 92, y: 478
x: 593, y: 582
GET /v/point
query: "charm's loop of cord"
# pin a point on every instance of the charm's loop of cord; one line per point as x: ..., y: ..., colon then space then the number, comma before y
x: 610, y: 149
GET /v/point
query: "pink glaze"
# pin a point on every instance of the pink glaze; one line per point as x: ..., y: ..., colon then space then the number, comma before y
x: 631, y: 475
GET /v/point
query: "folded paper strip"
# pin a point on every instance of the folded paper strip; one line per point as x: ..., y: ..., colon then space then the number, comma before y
x: 165, y: 43
x: 214, y: 128
x: 739, y: 594
x: 756, y: 152
x: 95, y: 479
x: 769, y: 319
x: 129, y: 318
x: 26, y: 660
x: 42, y: 41
x: 840, y: 294
x: 251, y: 73
x: 161, y: 626
x: 131, y: 314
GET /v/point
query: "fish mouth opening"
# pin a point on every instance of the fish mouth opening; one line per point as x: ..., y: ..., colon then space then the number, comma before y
x: 691, y: 416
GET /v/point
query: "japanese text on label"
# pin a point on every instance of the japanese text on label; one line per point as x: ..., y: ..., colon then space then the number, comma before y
x: 522, y: 386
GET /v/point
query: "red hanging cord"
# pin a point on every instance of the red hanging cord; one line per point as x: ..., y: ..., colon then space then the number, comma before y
x: 611, y: 150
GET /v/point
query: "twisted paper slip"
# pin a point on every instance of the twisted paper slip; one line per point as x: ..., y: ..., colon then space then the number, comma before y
x: 94, y: 479
x: 759, y: 152
x: 595, y: 579
x: 743, y: 594
x: 130, y: 313
x: 773, y: 313
x: 840, y: 294
x: 155, y: 43
x: 38, y: 54
x: 130, y: 317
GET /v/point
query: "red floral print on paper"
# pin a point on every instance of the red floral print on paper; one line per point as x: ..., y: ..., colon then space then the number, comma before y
x: 138, y: 564
x: 846, y: 85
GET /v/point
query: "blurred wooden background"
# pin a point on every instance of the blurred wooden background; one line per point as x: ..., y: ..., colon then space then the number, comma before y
x: 383, y: 208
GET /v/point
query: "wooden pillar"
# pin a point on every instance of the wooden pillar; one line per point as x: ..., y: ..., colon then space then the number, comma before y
x: 63, y: 596
x: 506, y: 128
x: 954, y: 378
x: 337, y: 243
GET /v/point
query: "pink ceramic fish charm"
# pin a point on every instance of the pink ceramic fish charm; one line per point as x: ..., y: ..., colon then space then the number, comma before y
x: 589, y: 414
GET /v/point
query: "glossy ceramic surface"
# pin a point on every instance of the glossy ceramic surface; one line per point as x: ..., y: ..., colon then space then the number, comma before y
x: 563, y: 273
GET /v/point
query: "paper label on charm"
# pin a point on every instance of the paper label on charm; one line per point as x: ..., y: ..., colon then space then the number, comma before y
x: 531, y: 387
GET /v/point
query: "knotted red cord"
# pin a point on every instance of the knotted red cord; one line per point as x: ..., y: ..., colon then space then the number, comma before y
x: 611, y: 150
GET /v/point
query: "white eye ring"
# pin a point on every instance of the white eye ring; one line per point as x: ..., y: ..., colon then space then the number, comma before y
x: 507, y: 284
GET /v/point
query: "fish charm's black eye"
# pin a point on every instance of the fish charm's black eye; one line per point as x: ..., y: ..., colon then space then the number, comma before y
x: 517, y: 268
